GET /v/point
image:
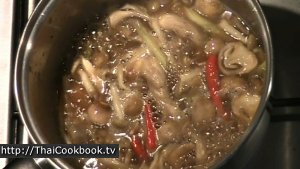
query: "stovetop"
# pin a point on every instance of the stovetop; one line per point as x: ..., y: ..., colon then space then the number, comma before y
x: 280, y: 148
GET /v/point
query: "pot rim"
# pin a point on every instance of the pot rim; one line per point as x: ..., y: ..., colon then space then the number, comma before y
x: 36, y: 19
x: 19, y: 78
x: 268, y: 46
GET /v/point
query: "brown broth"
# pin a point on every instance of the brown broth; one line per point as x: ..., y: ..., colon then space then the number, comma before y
x: 181, y: 86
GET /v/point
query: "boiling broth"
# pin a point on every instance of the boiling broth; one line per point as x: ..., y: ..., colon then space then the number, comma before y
x: 174, y: 83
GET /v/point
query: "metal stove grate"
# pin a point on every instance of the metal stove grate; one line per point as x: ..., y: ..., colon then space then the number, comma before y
x: 20, y: 11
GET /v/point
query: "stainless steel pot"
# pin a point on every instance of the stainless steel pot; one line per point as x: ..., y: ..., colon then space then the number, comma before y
x: 41, y: 60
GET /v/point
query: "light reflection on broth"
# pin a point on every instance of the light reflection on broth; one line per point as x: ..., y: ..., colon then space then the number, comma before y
x: 175, y: 83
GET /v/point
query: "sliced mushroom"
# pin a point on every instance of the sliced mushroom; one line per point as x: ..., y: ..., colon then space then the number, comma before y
x: 203, y: 111
x: 214, y: 46
x: 75, y: 65
x: 245, y: 106
x: 98, y: 114
x: 236, y: 22
x: 232, y: 86
x: 178, y: 156
x: 250, y: 41
x: 210, y: 8
x: 119, y: 115
x: 99, y: 59
x: 158, y: 161
x: 127, y: 12
x: 87, y: 83
x: 235, y: 58
x: 189, y: 80
x: 201, y: 153
x: 169, y: 132
x: 120, y: 77
x: 131, y: 11
x: 181, y: 27
x: 232, y: 31
x: 149, y: 69
x: 91, y: 72
x: 92, y: 83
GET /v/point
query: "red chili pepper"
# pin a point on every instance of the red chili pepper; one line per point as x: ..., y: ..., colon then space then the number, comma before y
x: 212, y: 78
x: 138, y: 148
x: 151, y: 131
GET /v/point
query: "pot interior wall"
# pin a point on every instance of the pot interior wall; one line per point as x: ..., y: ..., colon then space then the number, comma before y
x: 46, y: 58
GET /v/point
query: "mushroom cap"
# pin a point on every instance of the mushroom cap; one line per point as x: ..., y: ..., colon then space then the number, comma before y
x: 210, y: 8
x: 245, y: 106
x: 133, y: 104
x: 235, y: 58
x: 98, y: 115
x: 181, y: 27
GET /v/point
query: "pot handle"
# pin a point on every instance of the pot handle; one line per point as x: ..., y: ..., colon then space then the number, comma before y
x: 22, y: 163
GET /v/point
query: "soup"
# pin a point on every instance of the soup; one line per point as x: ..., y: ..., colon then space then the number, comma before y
x: 174, y: 82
